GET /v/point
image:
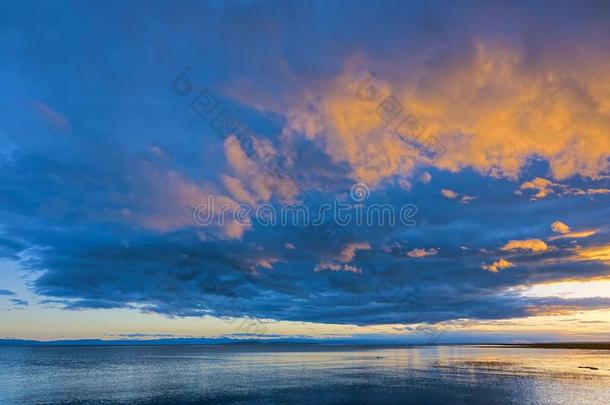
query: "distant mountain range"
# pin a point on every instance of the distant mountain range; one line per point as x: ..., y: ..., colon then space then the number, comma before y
x: 152, y: 342
x: 285, y: 341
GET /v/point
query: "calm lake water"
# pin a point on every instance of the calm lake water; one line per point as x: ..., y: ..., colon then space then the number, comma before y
x: 329, y: 375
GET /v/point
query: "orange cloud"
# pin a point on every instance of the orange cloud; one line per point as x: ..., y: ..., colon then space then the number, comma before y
x: 349, y: 251
x: 560, y: 227
x: 419, y: 253
x: 449, y: 193
x: 464, y: 199
x: 545, y: 187
x: 498, y: 265
x: 491, y: 108
x: 505, y: 113
x: 600, y: 253
x: 352, y: 130
x: 534, y: 245
x: 575, y: 235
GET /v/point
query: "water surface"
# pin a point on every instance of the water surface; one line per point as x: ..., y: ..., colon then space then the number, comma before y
x: 302, y: 374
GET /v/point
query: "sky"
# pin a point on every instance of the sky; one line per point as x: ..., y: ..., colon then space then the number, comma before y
x: 410, y: 171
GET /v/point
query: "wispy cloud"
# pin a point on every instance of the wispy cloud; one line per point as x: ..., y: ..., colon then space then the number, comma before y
x: 533, y: 245
x: 419, y: 252
x: 57, y: 121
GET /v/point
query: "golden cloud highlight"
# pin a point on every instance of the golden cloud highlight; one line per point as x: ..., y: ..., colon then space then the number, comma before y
x: 599, y: 253
x: 497, y: 265
x: 575, y: 235
x: 533, y: 245
x: 560, y: 227
x: 419, y: 253
x: 491, y: 107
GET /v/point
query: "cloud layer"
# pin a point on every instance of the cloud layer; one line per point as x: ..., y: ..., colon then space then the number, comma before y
x: 103, y: 163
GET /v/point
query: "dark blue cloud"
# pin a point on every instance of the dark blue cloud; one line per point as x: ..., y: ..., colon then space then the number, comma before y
x: 6, y: 292
x: 179, y: 275
x: 19, y: 303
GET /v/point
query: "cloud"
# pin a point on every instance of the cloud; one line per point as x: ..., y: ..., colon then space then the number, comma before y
x: 247, y: 169
x: 599, y: 253
x: 426, y: 178
x: 347, y: 128
x: 330, y: 266
x: 560, y: 227
x: 516, y: 110
x: 565, y: 232
x: 237, y: 190
x: 449, y: 193
x: 519, y: 112
x: 19, y: 303
x: 171, y: 202
x: 575, y: 235
x: 542, y: 186
x: 419, y: 253
x: 533, y: 245
x: 347, y: 254
x: 55, y: 119
x: 598, y: 191
x: 498, y: 265
x: 102, y: 220
x: 151, y: 335
x: 545, y: 188
x: 467, y: 199
x: 349, y: 251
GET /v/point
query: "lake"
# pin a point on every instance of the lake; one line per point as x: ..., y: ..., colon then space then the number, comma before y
x: 302, y: 374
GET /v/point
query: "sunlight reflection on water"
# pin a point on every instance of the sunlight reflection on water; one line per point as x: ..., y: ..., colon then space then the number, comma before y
x: 303, y: 374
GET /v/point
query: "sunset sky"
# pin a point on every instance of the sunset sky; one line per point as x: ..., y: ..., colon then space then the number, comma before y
x: 119, y: 122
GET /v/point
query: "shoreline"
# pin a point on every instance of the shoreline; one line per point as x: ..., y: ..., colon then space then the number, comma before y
x: 288, y: 344
x: 557, y: 345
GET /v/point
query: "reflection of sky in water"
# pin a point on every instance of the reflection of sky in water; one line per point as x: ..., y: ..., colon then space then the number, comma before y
x: 303, y: 374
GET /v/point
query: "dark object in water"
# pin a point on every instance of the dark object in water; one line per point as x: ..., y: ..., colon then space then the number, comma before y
x: 589, y: 367
x: 379, y: 357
